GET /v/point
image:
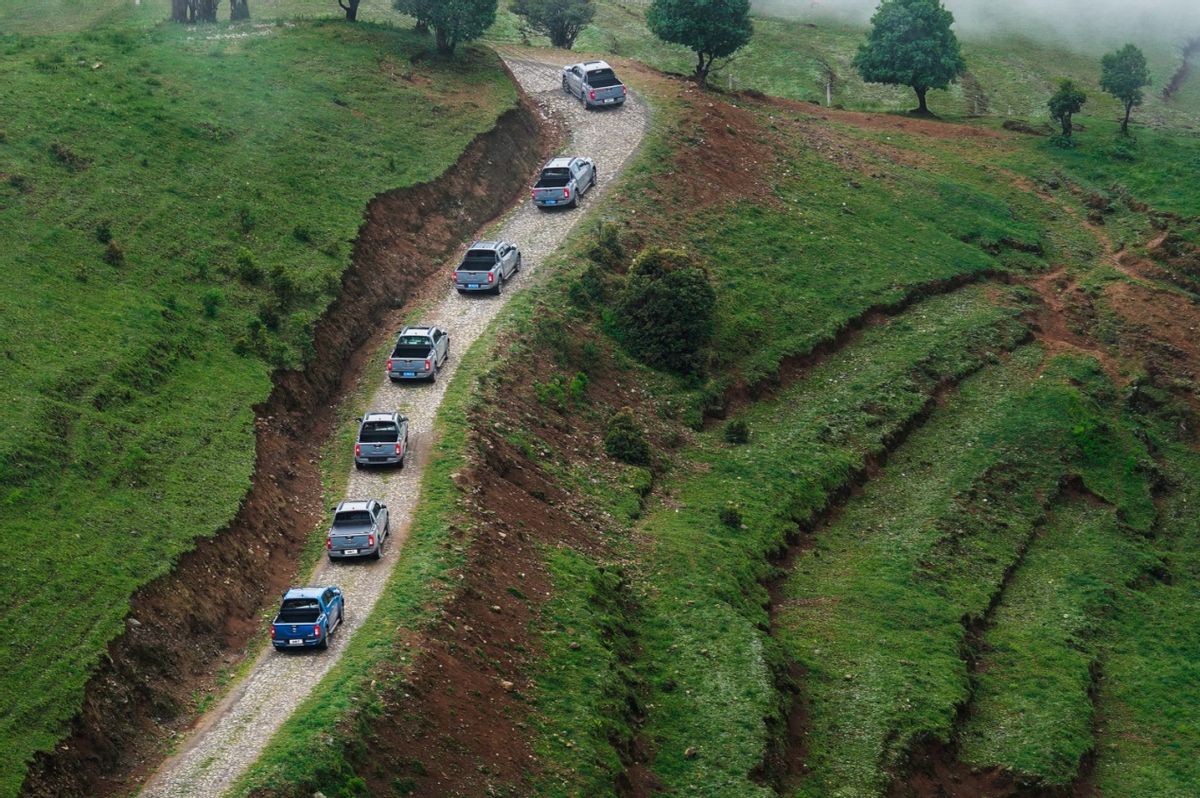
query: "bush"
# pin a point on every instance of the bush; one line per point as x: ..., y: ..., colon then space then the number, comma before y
x: 104, y: 233
x: 552, y: 394
x: 1062, y: 142
x: 730, y: 516
x: 212, y: 301
x: 625, y: 440
x: 113, y: 254
x: 737, y: 432
x: 607, y: 250
x: 666, y: 311
x: 577, y: 388
x: 247, y: 267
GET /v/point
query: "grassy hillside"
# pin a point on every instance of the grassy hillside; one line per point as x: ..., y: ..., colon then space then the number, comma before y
x: 1011, y: 75
x: 181, y: 207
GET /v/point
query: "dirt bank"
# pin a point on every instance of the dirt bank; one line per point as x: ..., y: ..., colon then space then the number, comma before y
x: 187, y: 628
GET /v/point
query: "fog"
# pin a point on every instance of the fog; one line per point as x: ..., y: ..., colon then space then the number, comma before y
x: 1088, y: 23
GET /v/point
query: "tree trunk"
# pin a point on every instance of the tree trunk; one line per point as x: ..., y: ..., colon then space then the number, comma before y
x: 206, y: 11
x: 703, y: 65
x: 1125, y: 121
x: 351, y: 9
x: 238, y: 10
x: 422, y: 27
x: 179, y: 10
x: 922, y: 107
x: 445, y: 45
x: 1068, y: 128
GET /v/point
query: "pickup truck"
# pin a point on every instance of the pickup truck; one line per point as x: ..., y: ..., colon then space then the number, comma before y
x: 382, y: 440
x: 418, y: 354
x: 594, y: 83
x: 307, y: 617
x: 563, y: 180
x: 487, y: 266
x: 359, y: 529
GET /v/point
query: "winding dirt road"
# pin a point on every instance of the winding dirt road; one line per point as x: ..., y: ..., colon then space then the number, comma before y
x: 233, y: 734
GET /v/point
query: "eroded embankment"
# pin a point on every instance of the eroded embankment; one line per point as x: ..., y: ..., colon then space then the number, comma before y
x: 1190, y: 51
x: 185, y: 629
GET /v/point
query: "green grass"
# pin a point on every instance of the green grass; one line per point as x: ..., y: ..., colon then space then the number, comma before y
x: 875, y: 612
x: 1032, y: 710
x: 1148, y: 739
x: 233, y: 175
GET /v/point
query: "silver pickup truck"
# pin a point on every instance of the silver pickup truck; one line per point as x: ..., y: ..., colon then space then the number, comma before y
x: 382, y: 440
x: 594, y: 83
x: 562, y: 181
x: 418, y: 354
x: 487, y: 266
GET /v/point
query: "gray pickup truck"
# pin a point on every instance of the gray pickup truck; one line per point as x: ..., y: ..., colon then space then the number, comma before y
x: 382, y: 440
x: 562, y: 181
x: 418, y: 354
x: 359, y: 529
x: 594, y: 83
x: 487, y: 266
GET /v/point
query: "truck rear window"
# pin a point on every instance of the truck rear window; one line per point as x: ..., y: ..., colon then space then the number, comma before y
x: 379, y: 432
x: 478, y: 260
x: 413, y: 340
x: 299, y: 611
x: 352, y: 518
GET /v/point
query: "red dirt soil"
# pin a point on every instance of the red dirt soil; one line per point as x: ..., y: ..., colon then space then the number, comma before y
x: 187, y: 627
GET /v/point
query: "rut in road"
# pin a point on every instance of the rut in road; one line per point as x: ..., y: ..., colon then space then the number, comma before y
x: 233, y: 735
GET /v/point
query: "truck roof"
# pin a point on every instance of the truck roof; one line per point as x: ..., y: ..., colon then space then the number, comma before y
x: 416, y: 331
x: 594, y: 65
x: 305, y: 592
x: 561, y: 162
x: 382, y: 417
x: 360, y: 504
x: 485, y: 245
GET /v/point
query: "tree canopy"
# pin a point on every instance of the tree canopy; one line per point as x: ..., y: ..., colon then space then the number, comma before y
x: 453, y: 21
x: 560, y: 20
x: 711, y: 29
x: 1068, y: 100
x: 1124, y: 74
x: 911, y: 43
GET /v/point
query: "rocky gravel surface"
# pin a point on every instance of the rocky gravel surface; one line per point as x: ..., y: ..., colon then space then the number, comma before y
x: 232, y: 735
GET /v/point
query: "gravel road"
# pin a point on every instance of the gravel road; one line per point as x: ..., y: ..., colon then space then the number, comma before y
x: 232, y: 735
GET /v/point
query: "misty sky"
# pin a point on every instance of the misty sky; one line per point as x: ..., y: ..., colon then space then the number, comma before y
x: 1104, y: 20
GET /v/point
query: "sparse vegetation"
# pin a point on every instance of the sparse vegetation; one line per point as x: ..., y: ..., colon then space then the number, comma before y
x: 911, y: 44
x: 1124, y: 75
x: 561, y: 21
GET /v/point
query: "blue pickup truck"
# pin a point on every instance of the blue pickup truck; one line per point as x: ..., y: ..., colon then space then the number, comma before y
x: 307, y: 617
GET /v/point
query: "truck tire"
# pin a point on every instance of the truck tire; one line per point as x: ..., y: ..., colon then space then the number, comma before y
x: 324, y: 644
x: 566, y: 86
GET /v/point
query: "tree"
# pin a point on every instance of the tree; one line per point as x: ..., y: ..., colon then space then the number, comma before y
x: 1068, y: 100
x: 666, y: 311
x: 453, y: 21
x: 351, y: 9
x: 560, y: 20
x: 1124, y: 74
x: 239, y: 9
x: 712, y: 29
x: 911, y: 44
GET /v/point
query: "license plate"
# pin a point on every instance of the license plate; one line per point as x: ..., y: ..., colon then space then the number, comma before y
x: 410, y: 374
x: 609, y: 100
x: 350, y: 551
x: 551, y: 202
x: 295, y: 642
x: 472, y: 285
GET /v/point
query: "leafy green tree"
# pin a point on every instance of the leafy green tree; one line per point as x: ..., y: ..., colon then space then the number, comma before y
x: 1124, y: 74
x: 666, y: 311
x: 911, y: 44
x: 453, y: 21
x: 560, y: 20
x: 1068, y: 100
x: 712, y: 29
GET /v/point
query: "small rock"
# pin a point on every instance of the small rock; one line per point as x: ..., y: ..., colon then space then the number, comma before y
x: 691, y: 753
x: 506, y: 685
x: 495, y: 608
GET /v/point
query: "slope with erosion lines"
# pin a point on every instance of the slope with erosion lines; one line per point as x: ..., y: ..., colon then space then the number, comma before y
x: 237, y: 730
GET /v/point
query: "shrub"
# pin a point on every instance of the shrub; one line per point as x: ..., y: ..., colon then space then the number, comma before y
x: 245, y: 219
x: 212, y: 301
x: 577, y: 388
x: 666, y: 310
x: 21, y: 183
x: 552, y: 394
x: 113, y: 254
x: 104, y: 232
x: 737, y: 432
x: 607, y: 250
x: 1062, y: 142
x: 247, y: 266
x: 303, y: 234
x: 730, y: 516
x: 625, y: 440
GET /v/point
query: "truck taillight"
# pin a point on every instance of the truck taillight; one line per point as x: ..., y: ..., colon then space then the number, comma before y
x: 328, y: 543
x: 317, y: 630
x: 272, y: 631
x: 370, y: 540
x: 389, y: 365
x: 491, y: 277
x: 358, y: 450
x: 533, y: 194
x: 624, y: 90
x: 592, y: 94
x: 566, y: 193
x: 399, y: 448
x: 428, y: 365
